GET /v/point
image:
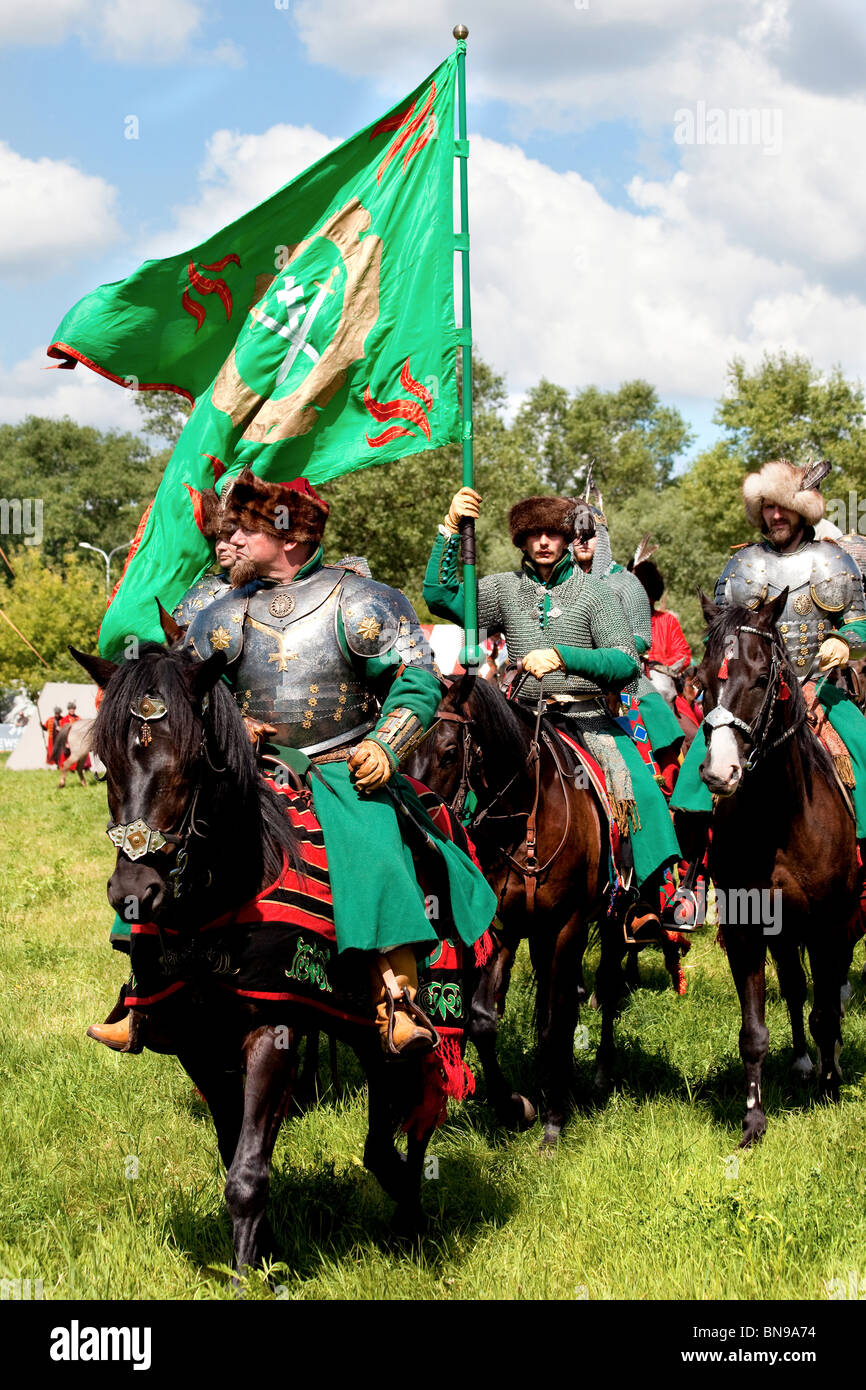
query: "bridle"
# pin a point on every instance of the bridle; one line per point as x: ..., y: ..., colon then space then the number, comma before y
x: 471, y: 754
x: 758, y: 731
x: 137, y: 838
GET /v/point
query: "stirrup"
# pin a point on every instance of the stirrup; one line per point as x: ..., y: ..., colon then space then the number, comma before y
x: 430, y: 1042
x: 650, y: 929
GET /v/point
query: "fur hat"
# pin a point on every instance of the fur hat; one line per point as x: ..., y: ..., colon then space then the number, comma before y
x: 294, y: 511
x: 541, y: 514
x: 788, y: 486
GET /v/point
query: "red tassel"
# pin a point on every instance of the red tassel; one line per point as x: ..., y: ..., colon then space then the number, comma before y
x: 723, y: 669
x: 459, y: 1081
x: 446, y: 1076
x: 483, y: 949
x: 784, y: 692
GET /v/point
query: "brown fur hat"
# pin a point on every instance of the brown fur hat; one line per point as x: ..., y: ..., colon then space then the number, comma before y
x: 294, y: 511
x: 782, y: 482
x: 541, y: 514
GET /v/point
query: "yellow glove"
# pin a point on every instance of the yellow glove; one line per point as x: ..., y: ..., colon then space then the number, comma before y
x: 370, y: 766
x: 463, y: 503
x: 542, y: 662
x: 834, y: 651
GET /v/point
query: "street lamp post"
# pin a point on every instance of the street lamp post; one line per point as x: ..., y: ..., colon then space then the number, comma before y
x: 85, y: 545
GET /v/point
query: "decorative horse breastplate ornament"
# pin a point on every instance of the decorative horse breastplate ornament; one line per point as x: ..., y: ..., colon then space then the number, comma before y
x: 825, y: 589
x: 287, y: 663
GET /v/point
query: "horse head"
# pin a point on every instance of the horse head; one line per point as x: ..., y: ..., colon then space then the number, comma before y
x: 742, y: 675
x: 440, y: 759
x: 152, y: 735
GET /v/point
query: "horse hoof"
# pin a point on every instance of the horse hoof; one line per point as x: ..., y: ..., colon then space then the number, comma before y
x: 753, y: 1130
x: 408, y: 1224
x: 593, y: 1001
x: 550, y: 1140
x: 844, y: 996
x: 802, y: 1068
x: 524, y: 1112
x: 581, y: 994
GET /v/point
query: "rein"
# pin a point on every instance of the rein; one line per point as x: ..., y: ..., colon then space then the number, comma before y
x: 530, y: 868
x: 758, y: 731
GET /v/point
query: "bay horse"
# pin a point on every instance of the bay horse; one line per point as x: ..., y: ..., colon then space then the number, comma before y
x: 550, y: 880
x: 780, y: 825
x: 192, y: 780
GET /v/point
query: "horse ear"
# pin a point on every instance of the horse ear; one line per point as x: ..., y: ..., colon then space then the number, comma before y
x: 462, y: 689
x: 710, y: 610
x: 172, y: 631
x: 773, y: 610
x: 203, y: 675
x: 96, y: 667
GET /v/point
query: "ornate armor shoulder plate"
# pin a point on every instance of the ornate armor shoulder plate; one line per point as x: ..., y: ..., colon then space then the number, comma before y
x: 203, y: 593
x: 377, y: 619
x: 218, y: 628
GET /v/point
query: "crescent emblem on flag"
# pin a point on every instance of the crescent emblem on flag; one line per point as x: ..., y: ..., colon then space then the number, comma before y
x: 266, y: 419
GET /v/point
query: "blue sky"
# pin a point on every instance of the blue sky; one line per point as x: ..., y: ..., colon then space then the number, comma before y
x: 603, y: 249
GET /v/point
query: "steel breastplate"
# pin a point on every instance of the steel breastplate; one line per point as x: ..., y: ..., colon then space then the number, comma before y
x: 820, y: 586
x: 292, y: 672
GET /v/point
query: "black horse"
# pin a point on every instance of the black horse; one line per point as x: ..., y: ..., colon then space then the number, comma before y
x: 191, y: 779
x: 781, y: 825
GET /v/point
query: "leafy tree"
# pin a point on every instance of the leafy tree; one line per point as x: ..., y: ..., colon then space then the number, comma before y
x: 53, y: 603
x: 164, y: 413
x: 92, y: 486
x: 629, y: 437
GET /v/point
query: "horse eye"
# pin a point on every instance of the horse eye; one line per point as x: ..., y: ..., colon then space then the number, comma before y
x: 762, y: 682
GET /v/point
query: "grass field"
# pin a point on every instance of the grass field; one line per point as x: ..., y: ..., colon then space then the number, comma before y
x: 110, y: 1184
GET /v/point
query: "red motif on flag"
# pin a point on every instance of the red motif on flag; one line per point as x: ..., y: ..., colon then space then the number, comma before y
x: 406, y: 410
x: 407, y: 124
x: 206, y: 286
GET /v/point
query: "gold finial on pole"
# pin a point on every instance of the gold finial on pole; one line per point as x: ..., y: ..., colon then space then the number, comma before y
x: 460, y: 31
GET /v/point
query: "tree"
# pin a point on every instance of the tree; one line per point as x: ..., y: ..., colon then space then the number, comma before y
x: 629, y: 437
x: 163, y: 413
x: 787, y: 408
x: 54, y: 604
x: 89, y: 486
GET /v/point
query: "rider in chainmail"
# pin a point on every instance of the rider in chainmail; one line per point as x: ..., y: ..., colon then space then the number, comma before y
x: 570, y: 632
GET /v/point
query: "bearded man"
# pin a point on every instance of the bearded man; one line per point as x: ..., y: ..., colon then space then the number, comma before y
x: 569, y: 631
x: 823, y: 624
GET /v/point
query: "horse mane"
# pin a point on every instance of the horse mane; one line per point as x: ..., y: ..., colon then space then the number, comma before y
x: 246, y: 817
x: 814, y: 756
x: 502, y: 722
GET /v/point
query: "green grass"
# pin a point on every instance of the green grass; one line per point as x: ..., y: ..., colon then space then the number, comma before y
x: 111, y: 1185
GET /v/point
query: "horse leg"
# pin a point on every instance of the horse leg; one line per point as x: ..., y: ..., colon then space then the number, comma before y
x: 398, y: 1174
x: 793, y: 988
x: 270, y: 1073
x: 223, y: 1090
x: 306, y: 1091
x: 488, y: 1002
x: 608, y: 989
x: 830, y: 962
x: 631, y: 973
x: 558, y: 1012
x: 747, y: 953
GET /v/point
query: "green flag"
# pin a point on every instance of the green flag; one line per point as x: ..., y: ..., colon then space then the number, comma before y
x: 315, y: 335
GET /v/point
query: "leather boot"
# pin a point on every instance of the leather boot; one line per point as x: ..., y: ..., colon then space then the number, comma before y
x: 403, y: 1027
x: 114, y: 1035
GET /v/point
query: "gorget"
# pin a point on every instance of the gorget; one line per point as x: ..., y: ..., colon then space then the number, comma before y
x: 825, y: 591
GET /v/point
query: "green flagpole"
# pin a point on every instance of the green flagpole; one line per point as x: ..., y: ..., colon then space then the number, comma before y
x: 471, y: 655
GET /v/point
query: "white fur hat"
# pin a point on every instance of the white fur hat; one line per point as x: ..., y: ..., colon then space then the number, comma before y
x: 788, y: 486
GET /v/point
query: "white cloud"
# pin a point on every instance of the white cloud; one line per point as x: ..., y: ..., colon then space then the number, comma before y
x: 238, y: 172
x: 568, y: 286
x: 26, y: 388
x: 50, y: 214
x: 124, y: 31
